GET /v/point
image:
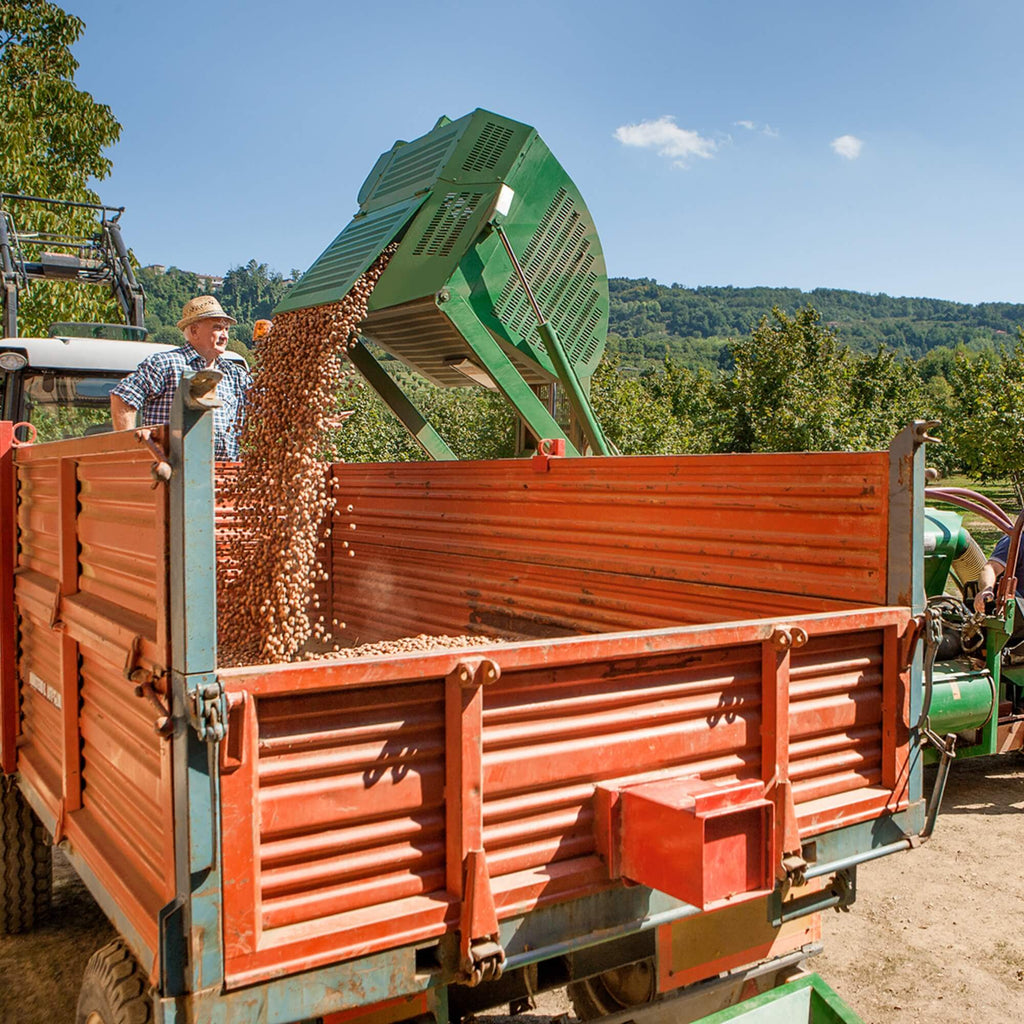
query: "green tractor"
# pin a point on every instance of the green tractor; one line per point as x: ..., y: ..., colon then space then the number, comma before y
x: 974, y: 662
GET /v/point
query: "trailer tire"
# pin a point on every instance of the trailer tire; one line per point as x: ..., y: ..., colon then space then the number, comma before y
x: 26, y: 862
x: 115, y: 989
x: 613, y: 991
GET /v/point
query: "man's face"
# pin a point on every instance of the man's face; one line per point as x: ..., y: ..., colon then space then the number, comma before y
x: 210, y: 337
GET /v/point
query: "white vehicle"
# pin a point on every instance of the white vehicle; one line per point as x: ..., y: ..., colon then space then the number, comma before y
x: 61, y: 385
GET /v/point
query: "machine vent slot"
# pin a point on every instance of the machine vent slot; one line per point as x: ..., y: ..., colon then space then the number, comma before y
x: 415, y: 165
x: 447, y: 224
x: 558, y: 262
x: 488, y: 148
x: 349, y: 254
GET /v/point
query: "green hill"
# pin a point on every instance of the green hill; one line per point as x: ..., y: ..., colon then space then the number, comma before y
x: 649, y: 321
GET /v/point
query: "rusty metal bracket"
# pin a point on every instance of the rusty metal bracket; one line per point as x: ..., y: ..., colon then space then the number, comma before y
x: 202, y: 390
x: 164, y: 724
x: 548, y: 449
x: 795, y: 868
x: 481, y: 957
x: 911, y: 637
x: 161, y: 468
x: 477, y: 672
x: 922, y: 431
x: 486, y: 962
x: 133, y: 671
x: 60, y: 822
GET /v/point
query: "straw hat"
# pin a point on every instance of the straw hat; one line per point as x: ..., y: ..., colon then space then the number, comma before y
x: 203, y: 307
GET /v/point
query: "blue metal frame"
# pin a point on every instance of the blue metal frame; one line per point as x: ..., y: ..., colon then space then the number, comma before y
x: 191, y: 957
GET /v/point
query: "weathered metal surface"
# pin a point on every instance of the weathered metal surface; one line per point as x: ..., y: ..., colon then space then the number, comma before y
x: 198, y: 707
x: 601, y: 544
x: 90, y: 594
x: 349, y: 783
x: 697, y: 947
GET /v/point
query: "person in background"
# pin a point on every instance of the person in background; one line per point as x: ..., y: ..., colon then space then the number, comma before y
x: 150, y: 389
x: 260, y: 330
x: 994, y: 568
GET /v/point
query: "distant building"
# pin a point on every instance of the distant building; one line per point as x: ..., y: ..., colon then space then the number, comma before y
x: 211, y: 281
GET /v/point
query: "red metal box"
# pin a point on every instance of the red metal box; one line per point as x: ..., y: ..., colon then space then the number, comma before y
x: 699, y: 841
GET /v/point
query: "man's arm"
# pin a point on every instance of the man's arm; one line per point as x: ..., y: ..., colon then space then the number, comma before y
x: 122, y: 415
x: 987, y: 583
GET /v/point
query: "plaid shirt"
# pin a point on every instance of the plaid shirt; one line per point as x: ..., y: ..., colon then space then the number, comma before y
x: 151, y: 388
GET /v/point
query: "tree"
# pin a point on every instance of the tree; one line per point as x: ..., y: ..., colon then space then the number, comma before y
x: 886, y: 393
x: 52, y: 138
x: 476, y: 423
x: 987, y: 435
x: 250, y: 293
x: 791, y: 385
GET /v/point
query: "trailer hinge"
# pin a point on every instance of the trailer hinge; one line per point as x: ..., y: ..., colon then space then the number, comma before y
x: 485, y: 961
x: 208, y: 711
x: 481, y: 956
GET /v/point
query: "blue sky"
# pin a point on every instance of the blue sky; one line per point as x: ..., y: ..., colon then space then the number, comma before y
x: 870, y: 145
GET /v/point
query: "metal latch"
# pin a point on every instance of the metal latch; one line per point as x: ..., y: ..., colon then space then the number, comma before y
x: 485, y: 962
x: 161, y: 467
x: 208, y: 711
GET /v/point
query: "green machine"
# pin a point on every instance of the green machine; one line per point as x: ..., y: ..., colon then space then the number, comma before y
x: 974, y: 672
x: 498, y: 278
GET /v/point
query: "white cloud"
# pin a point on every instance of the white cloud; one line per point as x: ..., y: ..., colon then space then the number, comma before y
x: 847, y: 146
x: 762, y: 129
x: 664, y: 135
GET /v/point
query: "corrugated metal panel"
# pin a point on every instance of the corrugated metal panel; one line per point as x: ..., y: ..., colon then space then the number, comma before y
x: 349, y: 780
x: 91, y: 587
x: 606, y: 543
x: 361, y: 777
x: 121, y: 768
x: 117, y: 533
x: 41, y: 724
x: 37, y: 516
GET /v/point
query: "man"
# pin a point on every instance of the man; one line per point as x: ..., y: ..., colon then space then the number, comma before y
x: 994, y: 568
x: 151, y: 387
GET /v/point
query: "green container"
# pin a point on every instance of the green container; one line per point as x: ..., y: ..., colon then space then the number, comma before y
x: 961, y: 699
x: 806, y: 1000
x: 450, y: 277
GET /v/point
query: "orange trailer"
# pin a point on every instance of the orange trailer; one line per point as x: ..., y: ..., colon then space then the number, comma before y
x: 693, y: 723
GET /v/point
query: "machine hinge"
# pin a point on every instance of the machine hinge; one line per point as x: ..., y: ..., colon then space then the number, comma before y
x: 208, y: 711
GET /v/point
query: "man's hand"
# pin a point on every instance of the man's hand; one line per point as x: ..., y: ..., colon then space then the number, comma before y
x: 982, y: 598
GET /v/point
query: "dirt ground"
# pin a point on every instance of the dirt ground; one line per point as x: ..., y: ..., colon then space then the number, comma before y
x: 935, y: 934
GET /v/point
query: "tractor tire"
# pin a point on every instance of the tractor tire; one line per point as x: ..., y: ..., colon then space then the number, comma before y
x: 26, y: 862
x: 115, y: 989
x: 615, y: 990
